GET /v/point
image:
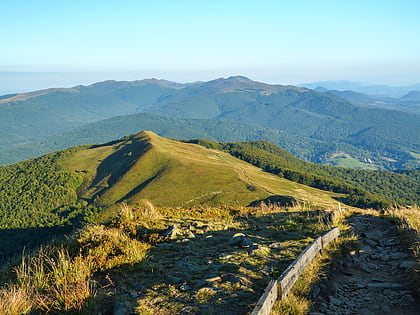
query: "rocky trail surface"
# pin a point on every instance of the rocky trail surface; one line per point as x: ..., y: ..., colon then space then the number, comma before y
x: 374, y: 279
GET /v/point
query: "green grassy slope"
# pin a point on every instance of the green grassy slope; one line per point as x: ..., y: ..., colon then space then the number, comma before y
x: 393, y: 187
x: 172, y: 173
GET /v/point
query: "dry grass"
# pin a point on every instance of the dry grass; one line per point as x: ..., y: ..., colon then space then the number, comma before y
x: 53, y: 280
x: 50, y: 281
x: 15, y: 300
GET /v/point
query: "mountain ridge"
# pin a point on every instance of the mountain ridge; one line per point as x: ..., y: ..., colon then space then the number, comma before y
x: 292, y: 110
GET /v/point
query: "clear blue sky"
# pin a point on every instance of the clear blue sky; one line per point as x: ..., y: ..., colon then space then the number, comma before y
x: 272, y: 41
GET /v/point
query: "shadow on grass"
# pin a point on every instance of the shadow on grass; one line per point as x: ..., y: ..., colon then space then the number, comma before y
x: 15, y: 241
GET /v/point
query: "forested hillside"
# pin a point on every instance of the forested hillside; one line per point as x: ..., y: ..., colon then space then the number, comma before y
x: 321, y: 126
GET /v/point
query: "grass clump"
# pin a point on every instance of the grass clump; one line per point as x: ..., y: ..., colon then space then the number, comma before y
x: 50, y: 281
x: 59, y: 279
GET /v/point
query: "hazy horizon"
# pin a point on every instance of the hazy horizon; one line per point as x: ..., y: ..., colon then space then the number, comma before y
x: 54, y: 43
x: 22, y: 82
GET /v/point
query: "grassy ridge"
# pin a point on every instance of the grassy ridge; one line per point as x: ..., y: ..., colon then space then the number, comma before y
x: 172, y: 173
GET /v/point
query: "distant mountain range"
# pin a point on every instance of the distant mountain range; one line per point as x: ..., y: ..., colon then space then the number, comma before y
x: 409, y: 102
x: 320, y: 127
x: 369, y: 89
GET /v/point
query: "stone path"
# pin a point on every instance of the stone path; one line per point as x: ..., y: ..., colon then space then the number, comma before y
x: 375, y: 279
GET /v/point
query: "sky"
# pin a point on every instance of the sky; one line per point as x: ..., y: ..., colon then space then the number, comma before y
x: 65, y: 43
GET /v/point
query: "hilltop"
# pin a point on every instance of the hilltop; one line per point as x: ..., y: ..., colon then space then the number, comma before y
x: 172, y: 173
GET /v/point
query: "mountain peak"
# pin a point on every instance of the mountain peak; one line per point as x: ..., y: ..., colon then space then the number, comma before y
x: 239, y: 78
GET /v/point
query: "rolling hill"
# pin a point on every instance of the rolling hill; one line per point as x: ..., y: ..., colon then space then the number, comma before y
x: 173, y: 173
x: 55, y: 193
x: 387, y: 138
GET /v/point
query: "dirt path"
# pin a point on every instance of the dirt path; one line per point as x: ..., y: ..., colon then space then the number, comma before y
x: 372, y: 280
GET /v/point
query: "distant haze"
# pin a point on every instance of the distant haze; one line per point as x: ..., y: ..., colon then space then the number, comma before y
x: 65, y: 43
x: 20, y: 82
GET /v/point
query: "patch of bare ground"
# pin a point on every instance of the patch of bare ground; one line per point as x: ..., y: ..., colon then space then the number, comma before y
x: 375, y: 278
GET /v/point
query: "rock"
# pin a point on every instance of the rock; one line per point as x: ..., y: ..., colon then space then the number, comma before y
x: 164, y: 245
x: 358, y: 286
x: 174, y: 280
x: 171, y: 232
x: 385, y: 308
x: 239, y: 239
x: 382, y: 256
x: 315, y: 292
x: 212, y: 278
x: 345, y: 268
x: 375, y: 235
x: 390, y: 242
x: 371, y: 242
x: 365, y: 268
x: 236, y: 239
x: 407, y: 264
x: 398, y: 255
x: 229, y: 277
x: 408, y: 297
x: 376, y: 280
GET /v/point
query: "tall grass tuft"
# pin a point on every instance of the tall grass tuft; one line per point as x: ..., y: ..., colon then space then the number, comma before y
x: 130, y: 218
x: 60, y: 281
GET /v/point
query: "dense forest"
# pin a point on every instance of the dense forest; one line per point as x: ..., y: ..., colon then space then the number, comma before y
x: 38, y: 200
